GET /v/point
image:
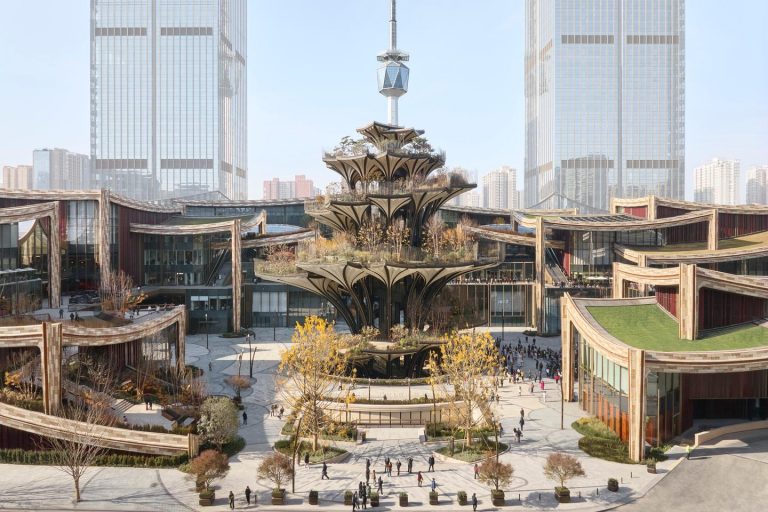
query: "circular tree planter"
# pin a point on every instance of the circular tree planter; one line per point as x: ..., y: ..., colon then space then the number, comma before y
x: 462, y: 497
x: 314, y: 498
x: 651, y: 467
x: 278, y: 497
x: 613, y: 485
x: 562, y: 494
x: 403, y: 499
x: 497, y: 498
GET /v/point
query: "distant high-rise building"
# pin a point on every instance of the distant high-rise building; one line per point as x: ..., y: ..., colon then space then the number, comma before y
x: 168, y: 97
x: 298, y: 188
x: 59, y: 169
x: 757, y: 185
x: 500, y: 189
x: 717, y: 182
x: 19, y: 177
x: 604, y: 101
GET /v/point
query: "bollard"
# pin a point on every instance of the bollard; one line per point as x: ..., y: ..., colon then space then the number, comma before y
x: 539, y: 496
x: 622, y: 479
x: 597, y: 492
x: 631, y: 475
x: 580, y: 494
x: 518, y: 498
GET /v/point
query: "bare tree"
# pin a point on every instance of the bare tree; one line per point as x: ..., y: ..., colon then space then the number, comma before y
x: 434, y: 229
x: 23, y: 365
x: 116, y: 293
x: 562, y: 467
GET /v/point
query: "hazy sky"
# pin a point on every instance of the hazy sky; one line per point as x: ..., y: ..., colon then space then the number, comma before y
x: 312, y: 79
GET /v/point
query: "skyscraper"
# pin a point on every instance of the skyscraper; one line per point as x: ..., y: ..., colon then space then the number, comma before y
x: 500, y: 188
x: 718, y: 182
x: 604, y: 101
x: 757, y: 185
x: 168, y: 97
x: 59, y: 169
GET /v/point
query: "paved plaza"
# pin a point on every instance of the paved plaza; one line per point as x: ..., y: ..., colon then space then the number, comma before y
x: 45, y: 488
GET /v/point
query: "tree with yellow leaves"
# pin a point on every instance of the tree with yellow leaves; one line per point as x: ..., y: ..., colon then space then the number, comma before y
x: 467, y: 361
x: 307, y: 368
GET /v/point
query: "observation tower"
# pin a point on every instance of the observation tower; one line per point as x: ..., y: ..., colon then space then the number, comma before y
x: 389, y: 255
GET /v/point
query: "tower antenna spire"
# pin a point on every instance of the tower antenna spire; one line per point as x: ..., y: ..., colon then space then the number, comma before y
x: 393, y: 25
x: 393, y: 74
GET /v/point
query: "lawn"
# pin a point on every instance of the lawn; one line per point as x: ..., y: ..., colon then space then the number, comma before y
x: 601, y: 442
x: 650, y: 328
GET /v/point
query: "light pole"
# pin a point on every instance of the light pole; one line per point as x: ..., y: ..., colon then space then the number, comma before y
x: 206, y: 331
x: 562, y: 403
x: 251, y: 356
x: 295, y: 449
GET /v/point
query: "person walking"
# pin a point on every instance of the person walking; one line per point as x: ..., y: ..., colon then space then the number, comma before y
x: 245, y: 418
x: 71, y: 317
x: 398, y: 467
x: 688, y: 451
x: 367, y: 475
x: 325, y: 476
x: 248, y: 495
x: 522, y: 412
x: 364, y: 499
x: 354, y: 502
x: 474, y: 502
x: 61, y: 314
x: 231, y: 499
x: 306, y: 459
x: 419, y: 478
x: 374, y: 477
x: 522, y: 423
x: 381, y: 486
x: 477, y: 471
x: 434, y: 485
x: 431, y: 463
x: 410, y: 465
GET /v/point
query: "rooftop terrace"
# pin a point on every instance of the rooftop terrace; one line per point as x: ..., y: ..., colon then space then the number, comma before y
x: 649, y: 327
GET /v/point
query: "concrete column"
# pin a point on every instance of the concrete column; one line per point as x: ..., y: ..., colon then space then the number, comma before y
x: 181, y: 338
x: 688, y: 302
x: 642, y: 262
x: 237, y: 275
x: 54, y: 258
x: 566, y: 337
x: 50, y: 366
x: 713, y: 235
x: 652, y: 214
x: 618, y: 283
x: 636, y: 369
x: 105, y: 266
x: 540, y: 291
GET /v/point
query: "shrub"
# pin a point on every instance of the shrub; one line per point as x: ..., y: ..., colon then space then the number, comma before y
x: 462, y: 495
x: 18, y: 456
x: 403, y: 494
x: 210, y: 465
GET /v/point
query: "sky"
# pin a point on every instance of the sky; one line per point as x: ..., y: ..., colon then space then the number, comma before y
x: 312, y: 80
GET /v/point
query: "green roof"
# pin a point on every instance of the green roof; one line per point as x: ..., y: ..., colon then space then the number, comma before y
x: 649, y: 327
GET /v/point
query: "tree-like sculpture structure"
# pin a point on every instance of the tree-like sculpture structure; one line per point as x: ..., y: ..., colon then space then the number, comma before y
x: 386, y: 254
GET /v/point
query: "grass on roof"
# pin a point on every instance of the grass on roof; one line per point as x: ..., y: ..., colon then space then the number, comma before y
x: 651, y: 328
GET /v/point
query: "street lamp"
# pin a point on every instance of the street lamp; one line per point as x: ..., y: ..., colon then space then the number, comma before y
x: 206, y: 331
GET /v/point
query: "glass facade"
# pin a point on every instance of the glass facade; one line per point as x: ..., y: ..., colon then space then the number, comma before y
x: 605, y: 101
x: 186, y: 260
x: 168, y: 97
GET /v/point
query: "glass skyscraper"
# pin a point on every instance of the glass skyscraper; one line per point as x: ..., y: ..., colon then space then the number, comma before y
x: 168, y: 97
x: 604, y: 101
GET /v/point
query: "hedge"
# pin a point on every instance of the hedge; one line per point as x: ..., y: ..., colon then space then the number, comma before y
x: 18, y: 456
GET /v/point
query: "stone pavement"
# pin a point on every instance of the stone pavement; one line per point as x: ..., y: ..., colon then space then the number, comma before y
x: 41, y: 488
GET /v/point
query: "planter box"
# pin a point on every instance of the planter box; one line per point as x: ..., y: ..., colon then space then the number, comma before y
x: 562, y: 494
x: 403, y: 501
x: 433, y: 496
x: 314, y: 498
x: 613, y: 485
x: 207, y: 500
x: 497, y: 498
x: 278, y: 498
x: 652, y: 468
x: 348, y: 498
